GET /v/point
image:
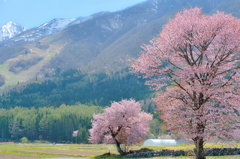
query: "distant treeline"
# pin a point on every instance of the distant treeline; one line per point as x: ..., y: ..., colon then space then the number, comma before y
x: 51, y: 124
x: 2, y: 80
x: 74, y: 86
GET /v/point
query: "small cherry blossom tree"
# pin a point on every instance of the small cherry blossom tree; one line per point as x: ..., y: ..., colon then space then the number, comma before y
x: 199, y: 54
x: 74, y: 134
x: 122, y: 123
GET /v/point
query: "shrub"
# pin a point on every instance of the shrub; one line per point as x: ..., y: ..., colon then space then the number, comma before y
x: 24, y: 140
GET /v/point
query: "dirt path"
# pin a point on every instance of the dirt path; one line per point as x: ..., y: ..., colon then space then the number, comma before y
x: 82, y: 153
x: 10, y: 156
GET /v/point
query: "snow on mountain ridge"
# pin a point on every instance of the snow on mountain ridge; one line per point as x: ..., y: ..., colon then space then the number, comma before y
x: 52, y: 27
x: 49, y: 28
x: 58, y: 24
x: 80, y: 20
x: 10, y: 30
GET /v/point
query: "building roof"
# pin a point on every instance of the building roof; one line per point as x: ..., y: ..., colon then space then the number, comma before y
x: 152, y: 142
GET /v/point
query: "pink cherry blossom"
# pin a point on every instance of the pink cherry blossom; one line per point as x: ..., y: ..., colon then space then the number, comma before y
x: 122, y: 123
x: 74, y: 134
x: 199, y: 55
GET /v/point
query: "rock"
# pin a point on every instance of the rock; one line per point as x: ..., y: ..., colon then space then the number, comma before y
x: 165, y: 152
x: 235, y: 152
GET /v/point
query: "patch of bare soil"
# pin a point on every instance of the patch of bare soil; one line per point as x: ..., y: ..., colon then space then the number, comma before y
x: 82, y: 153
x: 11, y: 156
x: 7, y: 142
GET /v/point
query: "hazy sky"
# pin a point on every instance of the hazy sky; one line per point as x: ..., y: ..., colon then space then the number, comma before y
x: 32, y: 13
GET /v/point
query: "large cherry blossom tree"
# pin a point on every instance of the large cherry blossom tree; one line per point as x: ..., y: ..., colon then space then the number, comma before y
x: 199, y: 54
x: 122, y: 123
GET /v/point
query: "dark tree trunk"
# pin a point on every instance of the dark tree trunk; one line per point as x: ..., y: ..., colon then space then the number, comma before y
x: 2, y: 134
x: 119, y: 148
x: 199, y: 149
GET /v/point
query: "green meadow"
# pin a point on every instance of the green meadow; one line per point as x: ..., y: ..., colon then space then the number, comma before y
x: 10, y: 78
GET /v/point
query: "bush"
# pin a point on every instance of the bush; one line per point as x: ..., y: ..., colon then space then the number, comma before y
x: 24, y: 140
x: 21, y: 65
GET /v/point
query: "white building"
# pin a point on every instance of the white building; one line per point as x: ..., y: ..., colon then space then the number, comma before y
x: 156, y: 142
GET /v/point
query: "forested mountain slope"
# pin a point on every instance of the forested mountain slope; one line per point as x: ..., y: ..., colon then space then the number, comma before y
x: 73, y: 86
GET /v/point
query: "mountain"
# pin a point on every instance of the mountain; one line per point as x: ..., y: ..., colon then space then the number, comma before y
x: 49, y: 28
x: 102, y: 42
x: 228, y: 6
x: 10, y: 30
x: 52, y: 27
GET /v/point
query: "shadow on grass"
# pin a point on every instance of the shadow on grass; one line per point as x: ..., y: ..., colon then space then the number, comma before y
x: 109, y: 156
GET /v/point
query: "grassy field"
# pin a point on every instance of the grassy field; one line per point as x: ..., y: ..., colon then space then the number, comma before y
x: 10, y: 78
x: 16, y: 151
x: 25, y: 75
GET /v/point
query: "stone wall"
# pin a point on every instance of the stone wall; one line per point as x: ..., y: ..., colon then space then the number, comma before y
x: 208, y: 152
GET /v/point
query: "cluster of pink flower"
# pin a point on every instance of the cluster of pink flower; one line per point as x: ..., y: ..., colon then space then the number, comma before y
x: 202, y: 55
